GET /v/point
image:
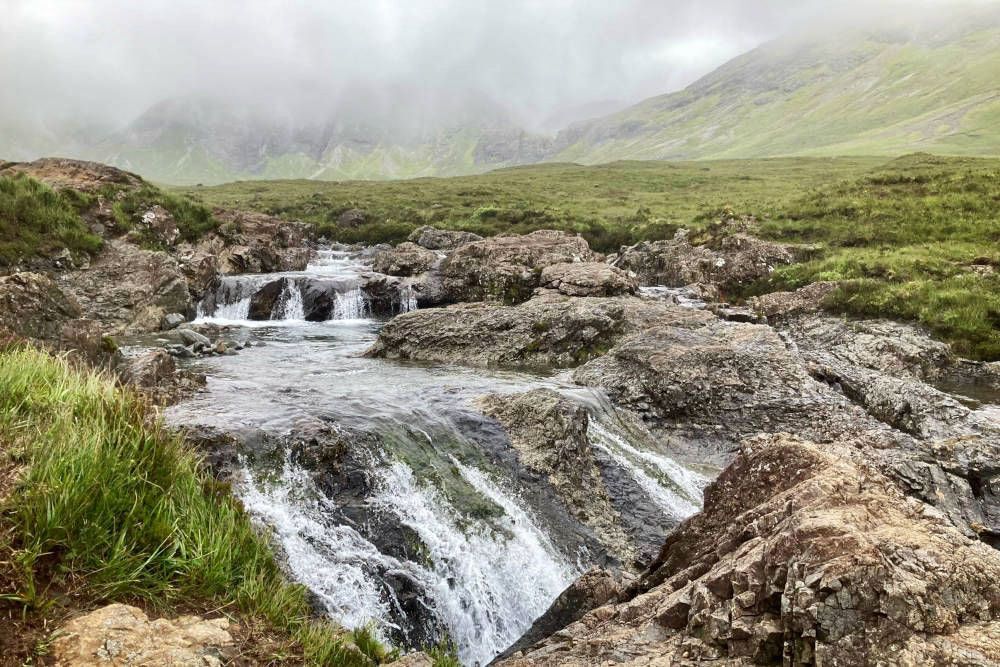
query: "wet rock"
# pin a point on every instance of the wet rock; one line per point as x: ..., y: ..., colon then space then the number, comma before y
x: 549, y: 433
x: 715, y: 382
x: 265, y: 301
x: 587, y: 279
x: 548, y: 330
x: 441, y: 239
x: 593, y: 589
x: 172, y: 321
x: 406, y: 259
x: 807, y: 554
x: 122, y: 635
x: 129, y: 289
x: 508, y: 268
x: 33, y: 306
x: 386, y: 296
x: 193, y: 338
x: 147, y: 370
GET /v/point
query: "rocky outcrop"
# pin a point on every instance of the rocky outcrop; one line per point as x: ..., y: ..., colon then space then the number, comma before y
x: 804, y: 554
x: 441, y: 239
x: 154, y: 374
x: 713, y: 382
x: 731, y: 258
x: 808, y: 299
x: 549, y: 434
x: 507, y: 268
x: 587, y: 279
x: 123, y: 635
x: 549, y: 330
x: 90, y: 177
x: 33, y: 306
x: 129, y: 289
x: 406, y: 259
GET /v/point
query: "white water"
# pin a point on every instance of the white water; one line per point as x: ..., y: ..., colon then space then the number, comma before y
x: 485, y: 583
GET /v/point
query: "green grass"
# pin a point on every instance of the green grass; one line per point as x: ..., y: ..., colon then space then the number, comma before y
x: 36, y: 222
x: 109, y: 506
x: 193, y: 220
x: 905, y: 232
x: 610, y: 205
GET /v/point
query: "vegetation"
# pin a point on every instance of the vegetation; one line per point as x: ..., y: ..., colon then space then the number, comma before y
x: 99, y: 503
x: 36, y: 221
x: 915, y: 238
x: 609, y: 204
x: 193, y: 220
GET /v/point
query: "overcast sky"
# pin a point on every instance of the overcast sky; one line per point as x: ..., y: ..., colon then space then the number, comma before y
x: 113, y: 59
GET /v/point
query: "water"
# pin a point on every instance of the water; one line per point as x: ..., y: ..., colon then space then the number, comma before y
x: 438, y: 532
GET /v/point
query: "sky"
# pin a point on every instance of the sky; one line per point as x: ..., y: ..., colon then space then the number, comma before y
x: 542, y: 61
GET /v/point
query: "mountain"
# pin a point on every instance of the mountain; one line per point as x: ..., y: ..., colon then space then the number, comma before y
x: 931, y: 85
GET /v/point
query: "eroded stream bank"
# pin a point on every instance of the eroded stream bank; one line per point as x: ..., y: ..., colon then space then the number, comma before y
x: 391, y: 494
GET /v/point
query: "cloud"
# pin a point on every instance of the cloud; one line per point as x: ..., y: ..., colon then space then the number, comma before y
x: 112, y: 59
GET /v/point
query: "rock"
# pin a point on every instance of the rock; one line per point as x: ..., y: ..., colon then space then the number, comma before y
x: 33, y: 306
x: 406, y: 259
x: 441, y: 239
x: 548, y: 330
x: 129, y: 289
x: 122, y: 635
x: 587, y: 279
x: 508, y: 268
x: 352, y: 218
x: 591, y: 590
x: 804, y: 554
x: 172, y: 321
x: 267, y: 300
x: 731, y: 258
x: 715, y: 382
x: 808, y: 299
x: 189, y: 337
x: 160, y: 225
x: 549, y: 433
x: 148, y: 369
x: 59, y: 173
x: 418, y: 659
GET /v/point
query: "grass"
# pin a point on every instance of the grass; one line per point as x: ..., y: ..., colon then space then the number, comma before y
x: 611, y: 205
x: 915, y: 238
x: 107, y: 506
x: 193, y: 220
x: 37, y: 222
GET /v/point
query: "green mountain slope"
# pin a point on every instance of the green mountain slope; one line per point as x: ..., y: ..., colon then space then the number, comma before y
x: 888, y: 92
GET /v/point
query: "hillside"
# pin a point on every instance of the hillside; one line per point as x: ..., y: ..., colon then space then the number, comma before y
x: 894, y: 91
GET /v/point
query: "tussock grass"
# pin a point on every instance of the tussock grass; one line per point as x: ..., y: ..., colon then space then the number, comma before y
x: 109, y: 506
x: 36, y: 221
x: 193, y: 220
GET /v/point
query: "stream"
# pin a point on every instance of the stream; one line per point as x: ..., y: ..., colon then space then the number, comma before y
x: 427, y: 527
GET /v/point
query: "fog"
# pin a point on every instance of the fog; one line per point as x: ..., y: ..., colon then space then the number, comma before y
x: 544, y: 62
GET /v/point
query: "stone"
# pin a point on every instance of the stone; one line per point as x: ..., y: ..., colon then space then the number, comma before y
x: 418, y: 659
x: 808, y: 299
x: 351, y: 218
x: 441, y: 239
x: 406, y: 259
x: 33, y: 306
x: 189, y: 337
x: 587, y: 279
x: 123, y: 635
x: 172, y: 321
x: 148, y: 369
x: 160, y: 225
x: 507, y: 268
x: 59, y: 173
x: 846, y: 571
x: 549, y: 433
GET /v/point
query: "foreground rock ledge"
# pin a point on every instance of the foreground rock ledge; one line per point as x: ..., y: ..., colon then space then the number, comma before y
x: 803, y: 555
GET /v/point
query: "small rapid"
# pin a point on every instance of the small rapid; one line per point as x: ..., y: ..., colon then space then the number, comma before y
x: 427, y: 528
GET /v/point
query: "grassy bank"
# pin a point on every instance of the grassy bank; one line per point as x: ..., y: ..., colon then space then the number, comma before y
x: 101, y: 504
x: 917, y: 238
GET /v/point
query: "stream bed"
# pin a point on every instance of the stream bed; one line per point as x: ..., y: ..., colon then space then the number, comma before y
x: 426, y: 526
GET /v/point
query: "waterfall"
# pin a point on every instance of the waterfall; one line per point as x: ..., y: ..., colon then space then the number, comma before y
x: 485, y: 584
x: 350, y: 305
x: 291, y: 301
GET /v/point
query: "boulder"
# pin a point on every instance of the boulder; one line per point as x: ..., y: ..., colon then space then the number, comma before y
x: 33, y: 306
x: 172, y: 321
x: 351, y: 218
x: 804, y: 554
x: 441, y: 239
x: 147, y: 370
x: 160, y: 225
x: 406, y: 259
x: 123, y: 635
x: 549, y: 330
x: 549, y: 433
x: 508, y: 268
x: 265, y: 301
x: 129, y: 289
x: 587, y: 279
x: 808, y: 299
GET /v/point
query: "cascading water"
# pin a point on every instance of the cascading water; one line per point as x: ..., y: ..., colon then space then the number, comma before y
x: 438, y: 535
